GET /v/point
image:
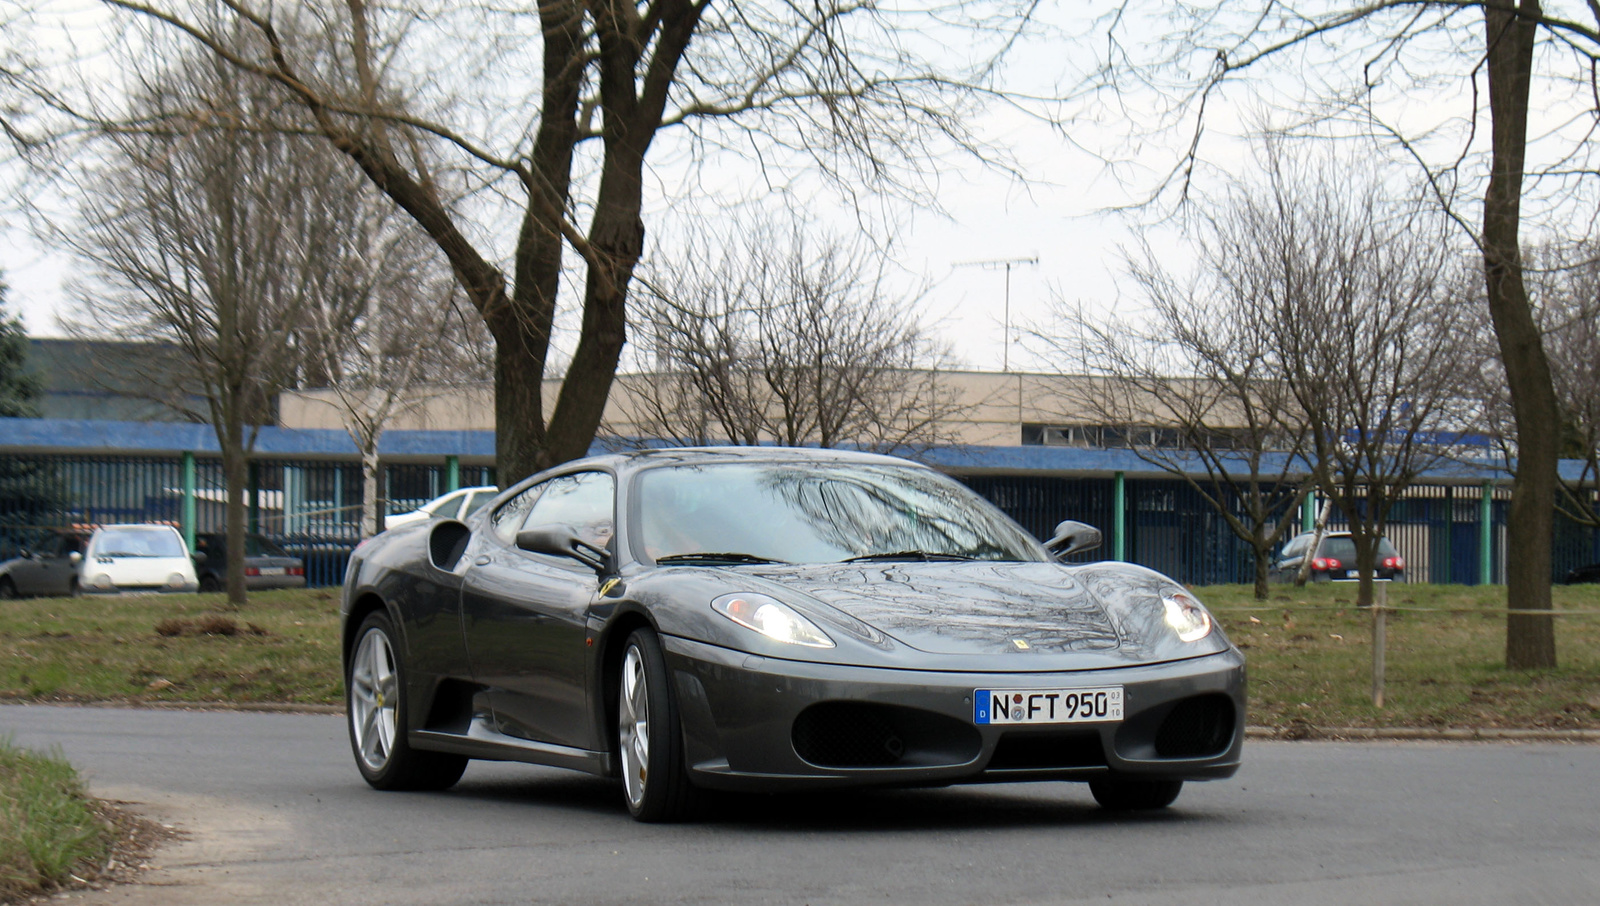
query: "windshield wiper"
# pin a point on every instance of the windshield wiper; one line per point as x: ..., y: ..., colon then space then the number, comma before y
x: 925, y: 556
x: 715, y: 558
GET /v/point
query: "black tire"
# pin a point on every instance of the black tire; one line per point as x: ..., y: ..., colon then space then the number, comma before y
x: 375, y: 706
x: 1135, y: 795
x: 74, y: 590
x: 8, y: 591
x: 210, y: 584
x: 655, y: 776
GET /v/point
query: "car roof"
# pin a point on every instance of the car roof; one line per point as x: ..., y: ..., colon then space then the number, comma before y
x: 702, y: 455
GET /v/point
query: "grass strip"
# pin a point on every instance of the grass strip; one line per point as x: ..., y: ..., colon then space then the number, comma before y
x: 50, y: 832
x: 1308, y: 650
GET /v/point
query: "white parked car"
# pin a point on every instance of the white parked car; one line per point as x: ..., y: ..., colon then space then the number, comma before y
x: 140, y: 558
x: 458, y: 504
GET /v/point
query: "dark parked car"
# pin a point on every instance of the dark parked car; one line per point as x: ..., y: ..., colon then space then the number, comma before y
x: 1335, y: 560
x: 1584, y: 575
x: 50, y: 568
x: 266, y: 565
x: 768, y: 619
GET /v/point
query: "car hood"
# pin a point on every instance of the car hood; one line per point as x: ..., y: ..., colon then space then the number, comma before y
x: 966, y: 608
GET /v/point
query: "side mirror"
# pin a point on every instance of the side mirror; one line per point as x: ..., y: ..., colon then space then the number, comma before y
x: 1071, y: 537
x: 563, y: 541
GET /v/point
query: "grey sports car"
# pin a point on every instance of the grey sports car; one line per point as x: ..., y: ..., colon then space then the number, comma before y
x: 776, y: 619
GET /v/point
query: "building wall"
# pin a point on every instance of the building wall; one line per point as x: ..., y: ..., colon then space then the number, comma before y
x: 988, y: 408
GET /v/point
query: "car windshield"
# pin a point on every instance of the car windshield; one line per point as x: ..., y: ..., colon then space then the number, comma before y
x: 138, y: 542
x: 820, y: 513
x: 1343, y: 549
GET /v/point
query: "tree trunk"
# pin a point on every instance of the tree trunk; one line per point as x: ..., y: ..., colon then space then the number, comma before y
x: 236, y: 469
x: 1530, y: 638
x: 1263, y: 559
x: 371, y: 521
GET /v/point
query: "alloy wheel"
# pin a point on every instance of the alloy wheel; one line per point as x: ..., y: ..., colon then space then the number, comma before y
x: 633, y: 725
x: 374, y: 695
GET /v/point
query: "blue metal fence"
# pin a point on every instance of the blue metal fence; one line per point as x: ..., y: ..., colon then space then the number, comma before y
x: 313, y: 509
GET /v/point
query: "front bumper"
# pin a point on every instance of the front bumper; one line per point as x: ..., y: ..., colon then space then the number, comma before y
x: 747, y: 720
x: 187, y: 588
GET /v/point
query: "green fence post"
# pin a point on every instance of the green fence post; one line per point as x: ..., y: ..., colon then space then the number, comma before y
x: 1119, y: 517
x: 452, y: 473
x: 188, y: 500
x: 1308, y: 512
x: 1486, y: 535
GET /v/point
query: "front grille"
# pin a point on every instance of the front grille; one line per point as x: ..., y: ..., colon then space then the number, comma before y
x: 1196, y: 728
x: 847, y: 735
x: 870, y: 735
x: 1022, y: 751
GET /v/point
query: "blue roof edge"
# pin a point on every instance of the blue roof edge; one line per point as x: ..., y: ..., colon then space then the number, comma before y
x: 93, y: 437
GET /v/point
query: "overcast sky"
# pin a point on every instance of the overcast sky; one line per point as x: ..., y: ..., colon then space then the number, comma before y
x: 1057, y: 216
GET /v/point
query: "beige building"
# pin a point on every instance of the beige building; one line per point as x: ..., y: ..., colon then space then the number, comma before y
x: 976, y: 407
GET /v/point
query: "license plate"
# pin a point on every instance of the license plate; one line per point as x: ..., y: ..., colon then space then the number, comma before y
x: 271, y: 570
x: 1047, y: 706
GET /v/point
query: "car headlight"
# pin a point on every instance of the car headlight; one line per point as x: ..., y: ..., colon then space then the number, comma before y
x: 177, y: 580
x: 1187, y: 617
x: 102, y: 581
x: 772, y: 618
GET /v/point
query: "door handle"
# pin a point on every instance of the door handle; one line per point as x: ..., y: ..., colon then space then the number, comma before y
x: 481, y: 561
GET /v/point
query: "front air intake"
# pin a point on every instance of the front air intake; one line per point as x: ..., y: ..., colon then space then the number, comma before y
x: 1197, y: 727
x: 872, y: 735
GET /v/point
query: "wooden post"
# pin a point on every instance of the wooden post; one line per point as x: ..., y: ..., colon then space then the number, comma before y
x: 1379, y: 633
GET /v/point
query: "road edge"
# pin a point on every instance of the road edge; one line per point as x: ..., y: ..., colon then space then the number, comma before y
x: 1292, y: 733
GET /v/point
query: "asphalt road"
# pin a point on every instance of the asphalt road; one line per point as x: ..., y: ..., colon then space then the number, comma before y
x: 276, y: 813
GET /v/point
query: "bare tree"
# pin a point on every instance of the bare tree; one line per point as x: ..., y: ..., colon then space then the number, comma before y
x: 839, y: 87
x: 785, y: 338
x: 1358, y: 67
x: 207, y: 236
x: 1564, y: 282
x: 384, y: 333
x: 1359, y: 304
x: 1197, y: 387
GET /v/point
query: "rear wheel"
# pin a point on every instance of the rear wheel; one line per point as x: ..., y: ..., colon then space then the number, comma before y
x: 1135, y: 795
x: 7, y: 590
x: 650, y: 734
x: 210, y: 583
x: 375, y: 702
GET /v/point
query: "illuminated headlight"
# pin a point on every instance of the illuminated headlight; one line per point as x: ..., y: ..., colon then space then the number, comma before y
x: 102, y: 581
x: 177, y: 580
x: 772, y: 618
x: 1186, y: 616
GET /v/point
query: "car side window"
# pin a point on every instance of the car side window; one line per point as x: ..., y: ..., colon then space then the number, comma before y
x: 448, y: 508
x: 476, y: 502
x: 507, y: 520
x: 584, y: 501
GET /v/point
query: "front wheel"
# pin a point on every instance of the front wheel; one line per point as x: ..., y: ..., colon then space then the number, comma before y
x: 650, y: 735
x: 7, y: 590
x: 375, y: 702
x: 1135, y: 795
